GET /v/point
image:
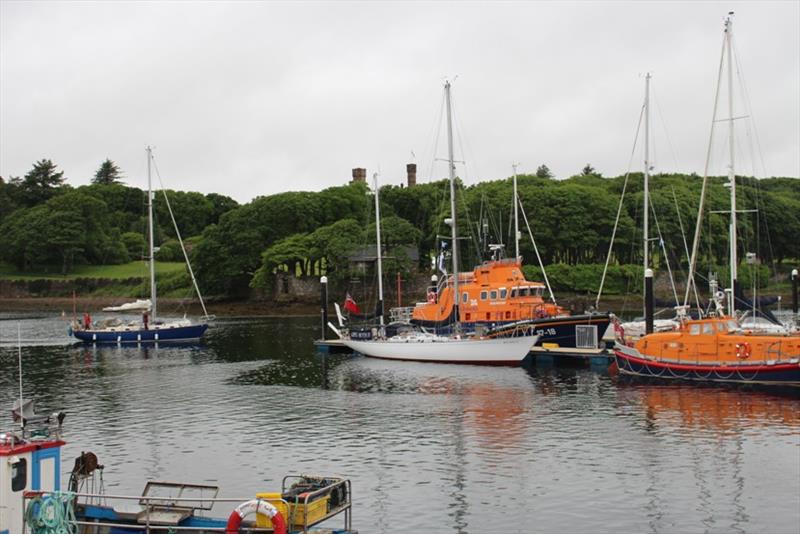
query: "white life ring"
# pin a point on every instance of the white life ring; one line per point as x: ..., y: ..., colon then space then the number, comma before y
x: 259, y: 507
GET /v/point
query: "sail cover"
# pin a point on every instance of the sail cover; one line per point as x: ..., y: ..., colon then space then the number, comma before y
x: 139, y: 305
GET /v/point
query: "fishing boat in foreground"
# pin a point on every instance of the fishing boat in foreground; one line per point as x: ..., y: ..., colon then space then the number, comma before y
x: 31, y: 499
x: 150, y: 328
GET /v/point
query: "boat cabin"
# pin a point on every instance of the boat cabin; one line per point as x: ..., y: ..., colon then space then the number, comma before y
x: 30, y: 460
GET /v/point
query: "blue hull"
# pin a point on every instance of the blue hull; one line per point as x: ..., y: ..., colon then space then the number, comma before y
x: 178, y: 333
x: 557, y: 330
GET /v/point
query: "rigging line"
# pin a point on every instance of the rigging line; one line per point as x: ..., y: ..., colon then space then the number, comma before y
x: 749, y: 107
x: 538, y: 257
x: 178, y: 235
x: 619, y: 209
x: 699, y: 222
x: 664, y: 127
x: 437, y: 136
x: 664, y: 250
x: 685, y: 244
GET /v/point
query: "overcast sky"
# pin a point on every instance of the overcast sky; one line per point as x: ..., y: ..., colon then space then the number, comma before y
x: 254, y: 98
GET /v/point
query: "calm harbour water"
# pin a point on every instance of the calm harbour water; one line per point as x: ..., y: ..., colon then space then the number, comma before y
x: 429, y: 448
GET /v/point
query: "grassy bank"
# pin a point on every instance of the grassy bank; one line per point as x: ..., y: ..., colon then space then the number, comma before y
x: 134, y: 269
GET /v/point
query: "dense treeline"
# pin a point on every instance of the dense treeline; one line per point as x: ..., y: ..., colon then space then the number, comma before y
x: 45, y: 223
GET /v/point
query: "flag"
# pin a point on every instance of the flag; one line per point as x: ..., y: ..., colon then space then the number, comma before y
x: 350, y: 305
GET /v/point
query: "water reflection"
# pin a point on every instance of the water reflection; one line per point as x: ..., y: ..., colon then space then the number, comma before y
x: 430, y: 448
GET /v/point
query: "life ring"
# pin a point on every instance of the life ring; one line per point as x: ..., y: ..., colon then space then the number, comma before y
x: 743, y: 350
x: 259, y: 507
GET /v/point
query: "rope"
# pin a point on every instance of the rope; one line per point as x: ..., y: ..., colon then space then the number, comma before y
x: 53, y: 513
x: 619, y: 210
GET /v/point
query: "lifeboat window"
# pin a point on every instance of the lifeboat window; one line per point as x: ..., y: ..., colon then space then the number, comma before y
x: 694, y: 329
x: 523, y: 291
x: 483, y: 295
x: 732, y: 326
x: 513, y: 292
x: 503, y: 293
x: 708, y: 328
x: 464, y: 297
x: 493, y: 294
x: 466, y: 318
x: 19, y: 475
x: 722, y: 327
x: 508, y: 315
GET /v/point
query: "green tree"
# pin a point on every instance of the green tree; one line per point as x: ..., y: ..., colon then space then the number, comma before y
x: 588, y: 170
x: 107, y: 174
x: 41, y: 183
x: 543, y: 171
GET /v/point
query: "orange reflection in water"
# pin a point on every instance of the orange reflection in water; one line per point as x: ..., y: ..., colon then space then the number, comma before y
x: 725, y: 409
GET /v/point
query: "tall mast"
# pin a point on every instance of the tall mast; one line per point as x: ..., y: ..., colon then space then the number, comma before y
x: 731, y: 171
x: 452, y: 168
x: 378, y: 238
x: 516, y: 219
x: 150, y: 257
x: 646, y: 172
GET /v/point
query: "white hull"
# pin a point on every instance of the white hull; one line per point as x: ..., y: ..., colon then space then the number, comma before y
x: 496, y: 351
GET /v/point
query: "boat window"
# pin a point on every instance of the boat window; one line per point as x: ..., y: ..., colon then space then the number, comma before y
x: 694, y: 329
x: 493, y: 294
x: 513, y: 292
x: 538, y: 291
x: 523, y: 291
x: 464, y: 297
x: 19, y: 475
x: 722, y: 327
x: 483, y: 295
x: 732, y: 326
x: 503, y: 293
x: 467, y: 317
x: 708, y: 328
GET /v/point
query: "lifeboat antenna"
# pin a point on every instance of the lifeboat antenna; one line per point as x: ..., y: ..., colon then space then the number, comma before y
x: 19, y: 358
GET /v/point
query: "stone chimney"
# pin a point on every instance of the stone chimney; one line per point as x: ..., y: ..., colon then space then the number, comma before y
x: 359, y: 175
x: 411, y: 171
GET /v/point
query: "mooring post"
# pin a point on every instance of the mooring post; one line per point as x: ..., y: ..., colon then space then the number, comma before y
x: 648, y: 301
x: 794, y: 291
x: 324, y: 304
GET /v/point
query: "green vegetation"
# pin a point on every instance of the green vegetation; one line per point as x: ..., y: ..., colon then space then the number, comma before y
x: 134, y: 269
x: 48, y: 228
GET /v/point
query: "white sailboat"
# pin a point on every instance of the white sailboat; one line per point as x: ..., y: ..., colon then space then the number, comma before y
x: 150, y: 329
x: 422, y: 346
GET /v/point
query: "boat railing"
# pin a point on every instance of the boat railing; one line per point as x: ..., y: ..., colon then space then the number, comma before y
x: 401, y: 315
x: 150, y: 518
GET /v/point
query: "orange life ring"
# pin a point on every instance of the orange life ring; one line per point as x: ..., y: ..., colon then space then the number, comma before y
x: 743, y: 350
x: 255, y: 506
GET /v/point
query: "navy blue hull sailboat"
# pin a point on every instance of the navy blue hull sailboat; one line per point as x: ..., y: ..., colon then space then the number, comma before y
x: 150, y: 329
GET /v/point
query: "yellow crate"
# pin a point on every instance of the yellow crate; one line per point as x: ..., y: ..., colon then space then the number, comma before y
x: 274, y: 499
x: 315, y: 511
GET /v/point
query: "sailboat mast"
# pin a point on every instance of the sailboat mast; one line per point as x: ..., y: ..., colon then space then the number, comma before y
x: 151, y: 255
x: 646, y: 211
x: 731, y: 170
x: 378, y: 248
x: 452, y: 167
x: 516, y: 219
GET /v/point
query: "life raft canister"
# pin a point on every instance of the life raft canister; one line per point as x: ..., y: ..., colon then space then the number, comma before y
x: 259, y: 507
x: 743, y: 350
